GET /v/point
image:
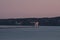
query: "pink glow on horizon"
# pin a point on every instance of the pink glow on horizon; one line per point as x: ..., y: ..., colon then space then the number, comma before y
x: 29, y: 8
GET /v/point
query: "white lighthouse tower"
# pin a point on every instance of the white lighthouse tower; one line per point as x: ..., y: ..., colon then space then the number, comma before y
x: 36, y: 24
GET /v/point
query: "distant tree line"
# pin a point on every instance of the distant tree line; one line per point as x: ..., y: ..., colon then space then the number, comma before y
x: 55, y: 21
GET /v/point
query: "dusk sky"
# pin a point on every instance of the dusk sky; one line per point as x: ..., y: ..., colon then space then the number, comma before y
x: 29, y: 8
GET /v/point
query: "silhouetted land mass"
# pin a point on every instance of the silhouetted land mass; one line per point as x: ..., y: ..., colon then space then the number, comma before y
x: 54, y: 21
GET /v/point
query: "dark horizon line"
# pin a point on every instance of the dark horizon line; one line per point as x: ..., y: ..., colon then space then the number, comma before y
x: 30, y: 17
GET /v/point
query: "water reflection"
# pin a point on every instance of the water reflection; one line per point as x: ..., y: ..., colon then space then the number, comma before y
x: 42, y: 33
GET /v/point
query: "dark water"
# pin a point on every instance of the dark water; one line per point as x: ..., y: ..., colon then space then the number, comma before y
x: 42, y: 33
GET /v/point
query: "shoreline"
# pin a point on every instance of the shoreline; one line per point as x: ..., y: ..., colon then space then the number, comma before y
x: 13, y: 27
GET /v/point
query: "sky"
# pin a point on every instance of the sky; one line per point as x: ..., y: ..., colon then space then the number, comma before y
x: 29, y: 8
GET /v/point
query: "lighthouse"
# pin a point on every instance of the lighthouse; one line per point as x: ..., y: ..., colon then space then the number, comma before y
x: 36, y: 24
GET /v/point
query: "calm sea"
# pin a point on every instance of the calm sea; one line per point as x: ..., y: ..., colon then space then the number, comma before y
x: 41, y: 33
